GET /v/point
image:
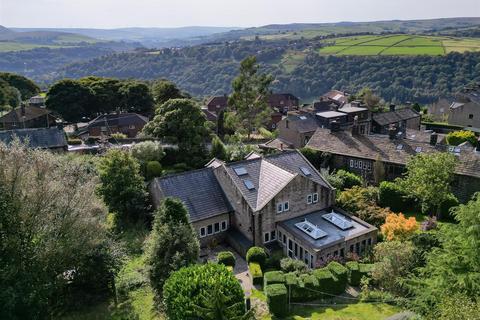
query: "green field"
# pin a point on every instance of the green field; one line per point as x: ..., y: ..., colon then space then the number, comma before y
x: 16, y: 46
x: 398, y: 45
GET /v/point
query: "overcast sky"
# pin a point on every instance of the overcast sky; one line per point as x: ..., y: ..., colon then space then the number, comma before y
x: 242, y: 13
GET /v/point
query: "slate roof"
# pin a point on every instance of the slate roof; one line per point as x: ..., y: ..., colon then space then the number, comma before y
x: 390, y: 117
x: 269, y: 175
x: 331, y: 114
x: 374, y: 146
x: 337, y: 96
x: 30, y: 113
x: 305, y: 122
x: 115, y: 119
x: 199, y: 190
x: 218, y: 101
x: 348, y: 108
x: 334, y: 234
x: 43, y: 138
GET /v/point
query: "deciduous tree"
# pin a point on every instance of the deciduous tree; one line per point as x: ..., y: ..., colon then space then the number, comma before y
x: 397, y: 227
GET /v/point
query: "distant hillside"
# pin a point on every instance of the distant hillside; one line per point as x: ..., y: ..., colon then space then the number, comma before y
x: 150, y: 37
x: 41, y: 37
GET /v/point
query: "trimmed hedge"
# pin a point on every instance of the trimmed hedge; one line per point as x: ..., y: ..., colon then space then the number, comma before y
x: 340, y: 274
x: 273, y: 277
x: 326, y: 281
x: 227, y: 258
x: 311, y: 288
x: 153, y: 170
x: 256, y: 254
x: 354, y: 275
x: 256, y: 273
x: 277, y: 299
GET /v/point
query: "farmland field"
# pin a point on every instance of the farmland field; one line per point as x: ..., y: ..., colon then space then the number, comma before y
x: 398, y: 45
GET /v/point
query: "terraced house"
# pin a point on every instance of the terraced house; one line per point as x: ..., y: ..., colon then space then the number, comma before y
x: 277, y: 200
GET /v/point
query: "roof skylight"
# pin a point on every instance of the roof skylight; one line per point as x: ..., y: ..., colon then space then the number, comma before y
x: 249, y: 184
x: 306, y: 171
x: 240, y: 171
x: 338, y: 220
x: 303, y: 118
x: 311, y: 229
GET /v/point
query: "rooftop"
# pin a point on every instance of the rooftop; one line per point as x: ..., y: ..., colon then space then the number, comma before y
x: 43, y: 138
x: 390, y: 117
x: 118, y: 119
x: 24, y: 114
x: 348, y: 108
x: 330, y: 114
x: 316, y: 229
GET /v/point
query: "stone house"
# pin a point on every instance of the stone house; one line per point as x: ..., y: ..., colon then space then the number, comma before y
x: 27, y: 117
x: 279, y: 199
x: 359, y: 154
x: 402, y: 119
x: 283, y: 102
x: 105, y: 125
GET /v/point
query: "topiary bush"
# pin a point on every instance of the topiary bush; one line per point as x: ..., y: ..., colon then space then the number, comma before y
x: 277, y: 299
x: 227, y: 258
x: 153, y: 169
x: 273, y: 260
x: 187, y: 290
x: 326, y: 280
x: 340, y: 274
x: 256, y: 273
x: 311, y: 288
x: 256, y: 254
x: 273, y: 277
x: 291, y: 265
x: 354, y: 275
x: 74, y: 141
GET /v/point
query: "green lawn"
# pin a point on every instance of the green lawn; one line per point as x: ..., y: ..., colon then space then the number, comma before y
x: 401, y: 51
x: 15, y: 46
x: 362, y: 51
x: 291, y: 60
x: 357, y: 311
x: 388, y: 41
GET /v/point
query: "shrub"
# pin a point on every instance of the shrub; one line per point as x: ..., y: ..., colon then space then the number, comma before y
x: 326, y: 280
x: 313, y: 156
x: 341, y: 275
x: 311, y: 288
x: 256, y: 254
x: 187, y: 291
x: 273, y: 277
x: 227, y: 258
x: 448, y: 204
x: 291, y: 265
x: 349, y: 179
x: 458, y: 137
x: 255, y: 273
x: 147, y: 151
x: 429, y: 224
x: 277, y: 299
x: 91, y: 140
x: 353, y: 273
x: 273, y: 260
x: 392, y: 196
x: 154, y: 169
x: 74, y: 141
x: 397, y: 227
x: 118, y: 136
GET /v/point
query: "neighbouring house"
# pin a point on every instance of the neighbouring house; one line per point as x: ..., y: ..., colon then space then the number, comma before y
x: 27, y: 117
x: 297, y: 128
x: 217, y: 103
x: 37, y: 101
x: 462, y: 110
x: 52, y: 138
x: 105, y: 125
x: 283, y: 102
x: 338, y: 97
x: 359, y: 154
x: 279, y: 199
x: 403, y: 119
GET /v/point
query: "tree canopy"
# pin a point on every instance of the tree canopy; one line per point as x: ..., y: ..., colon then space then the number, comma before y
x: 25, y: 86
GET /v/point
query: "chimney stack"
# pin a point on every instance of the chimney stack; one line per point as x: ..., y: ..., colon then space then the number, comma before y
x: 392, y: 132
x: 392, y: 107
x: 433, y: 138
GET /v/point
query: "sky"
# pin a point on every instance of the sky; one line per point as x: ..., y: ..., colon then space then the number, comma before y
x: 238, y: 13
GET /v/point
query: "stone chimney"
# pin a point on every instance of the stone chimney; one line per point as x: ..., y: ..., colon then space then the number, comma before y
x: 433, y: 138
x: 392, y: 132
x: 392, y: 107
x: 355, y: 129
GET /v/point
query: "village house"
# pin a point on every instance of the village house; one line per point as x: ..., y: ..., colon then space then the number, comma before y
x: 52, y: 138
x: 276, y: 200
x: 363, y: 154
x: 37, y: 101
x: 283, y: 102
x: 27, y: 117
x: 105, y: 125
x: 462, y: 110
x: 403, y: 119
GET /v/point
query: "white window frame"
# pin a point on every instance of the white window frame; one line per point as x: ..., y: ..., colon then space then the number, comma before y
x: 273, y: 235
x: 280, y: 207
x: 219, y: 229
x: 315, y: 197
x: 209, y: 234
x: 224, y: 225
x: 360, y: 164
x: 352, y: 163
x: 286, y: 206
x: 131, y: 127
x: 266, y: 237
x: 204, y: 232
x: 309, y: 199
